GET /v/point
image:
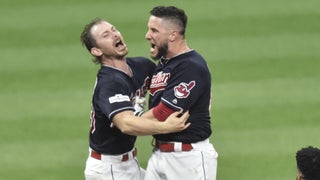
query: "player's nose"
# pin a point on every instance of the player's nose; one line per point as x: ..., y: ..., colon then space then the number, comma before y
x: 147, y: 36
x: 116, y: 34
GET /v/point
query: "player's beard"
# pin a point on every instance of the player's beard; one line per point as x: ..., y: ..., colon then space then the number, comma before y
x: 116, y: 55
x: 162, y: 50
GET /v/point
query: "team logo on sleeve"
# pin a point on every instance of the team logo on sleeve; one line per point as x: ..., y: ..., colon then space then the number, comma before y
x: 119, y: 98
x: 183, y: 89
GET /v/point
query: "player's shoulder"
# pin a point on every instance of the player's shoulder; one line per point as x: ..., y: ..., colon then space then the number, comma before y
x: 191, y: 59
x: 108, y: 75
x: 195, y: 56
x: 140, y: 61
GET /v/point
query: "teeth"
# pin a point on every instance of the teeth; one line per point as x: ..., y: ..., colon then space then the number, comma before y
x: 118, y: 43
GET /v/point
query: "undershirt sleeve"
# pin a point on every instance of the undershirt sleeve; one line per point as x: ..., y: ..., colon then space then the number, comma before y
x: 162, y: 111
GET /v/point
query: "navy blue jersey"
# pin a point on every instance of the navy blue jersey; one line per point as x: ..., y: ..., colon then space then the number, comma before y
x: 184, y: 83
x: 115, y: 92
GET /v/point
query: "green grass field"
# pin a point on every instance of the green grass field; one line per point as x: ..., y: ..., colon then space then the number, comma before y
x: 265, y: 62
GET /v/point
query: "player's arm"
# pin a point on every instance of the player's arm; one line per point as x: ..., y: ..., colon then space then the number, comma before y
x: 133, y: 125
x: 159, y: 113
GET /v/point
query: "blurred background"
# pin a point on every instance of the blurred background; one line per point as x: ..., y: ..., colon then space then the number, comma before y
x: 264, y: 57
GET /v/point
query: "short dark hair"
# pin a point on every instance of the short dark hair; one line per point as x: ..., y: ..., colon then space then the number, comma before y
x: 172, y: 13
x: 308, y: 162
x: 87, y: 39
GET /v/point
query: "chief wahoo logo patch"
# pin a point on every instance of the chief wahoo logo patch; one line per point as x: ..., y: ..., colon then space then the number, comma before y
x: 183, y: 89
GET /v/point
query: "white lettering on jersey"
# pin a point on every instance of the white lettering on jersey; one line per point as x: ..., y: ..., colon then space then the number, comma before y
x: 142, y: 91
x: 92, y: 121
x: 119, y: 98
x: 159, y: 82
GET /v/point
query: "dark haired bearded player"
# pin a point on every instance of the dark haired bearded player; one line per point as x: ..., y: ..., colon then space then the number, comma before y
x: 181, y: 81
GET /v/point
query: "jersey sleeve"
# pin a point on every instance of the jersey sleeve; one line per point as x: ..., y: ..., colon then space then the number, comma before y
x: 187, y: 83
x: 113, y: 98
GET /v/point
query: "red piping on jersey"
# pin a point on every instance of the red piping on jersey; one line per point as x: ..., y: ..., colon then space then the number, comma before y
x: 162, y: 111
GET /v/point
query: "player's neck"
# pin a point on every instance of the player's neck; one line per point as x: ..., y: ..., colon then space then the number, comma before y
x: 120, y: 64
x: 177, y: 48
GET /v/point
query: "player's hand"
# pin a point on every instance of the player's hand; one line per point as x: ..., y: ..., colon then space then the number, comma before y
x: 139, y: 105
x: 176, y: 122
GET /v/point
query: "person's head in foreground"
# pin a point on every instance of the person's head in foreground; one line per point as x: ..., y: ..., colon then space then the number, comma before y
x: 308, y: 163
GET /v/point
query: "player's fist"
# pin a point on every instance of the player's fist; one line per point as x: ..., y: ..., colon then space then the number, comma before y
x: 139, y: 105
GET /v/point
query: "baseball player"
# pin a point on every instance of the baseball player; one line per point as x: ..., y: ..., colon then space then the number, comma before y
x: 121, y: 82
x: 181, y: 81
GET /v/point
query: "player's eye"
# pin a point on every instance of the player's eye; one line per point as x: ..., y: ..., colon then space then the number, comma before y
x: 114, y: 29
x: 154, y: 30
x: 105, y: 35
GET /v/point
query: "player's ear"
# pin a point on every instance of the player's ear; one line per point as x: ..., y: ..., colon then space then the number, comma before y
x: 173, y: 35
x: 95, y: 51
x: 299, y: 175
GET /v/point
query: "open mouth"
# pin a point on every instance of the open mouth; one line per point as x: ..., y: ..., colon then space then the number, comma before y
x: 119, y: 43
x: 152, y: 46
